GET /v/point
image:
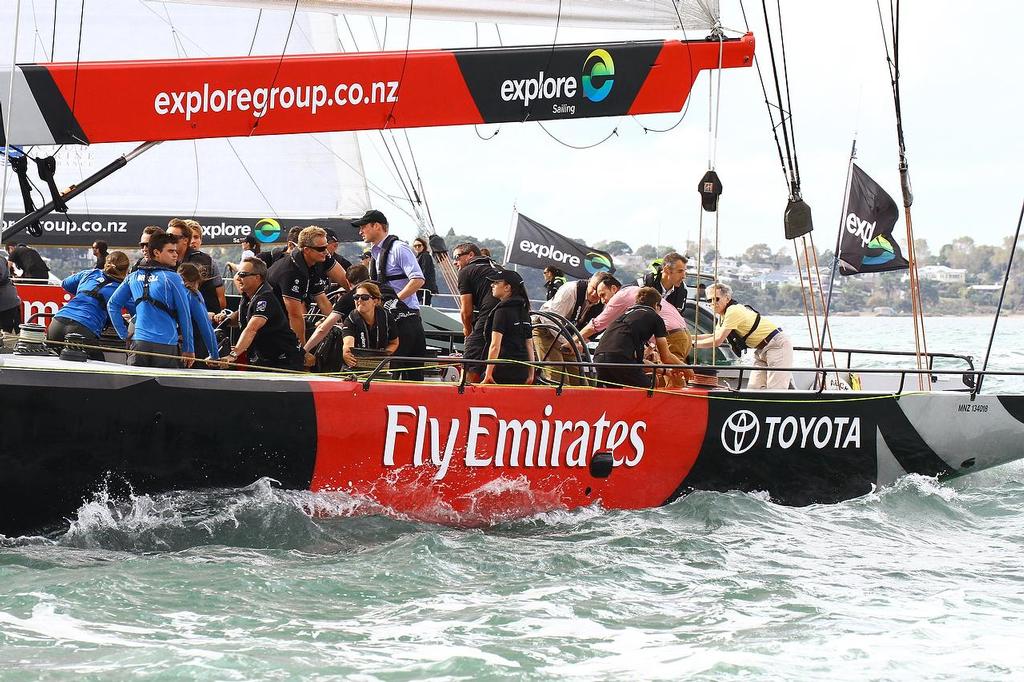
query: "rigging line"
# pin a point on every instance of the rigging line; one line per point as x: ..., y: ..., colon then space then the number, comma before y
x: 156, y: 14
x: 419, y: 181
x: 255, y: 32
x: 280, y: 63
x: 78, y: 55
x: 686, y: 105
x: 789, y: 94
x: 551, y: 53
x: 179, y: 50
x: 718, y: 99
x: 38, y: 36
x: 7, y: 111
x: 778, y: 93
x: 614, y: 132
x: 53, y: 34
x: 405, y: 63
x: 1002, y: 294
x: 251, y: 178
x: 476, y: 42
x: 768, y: 104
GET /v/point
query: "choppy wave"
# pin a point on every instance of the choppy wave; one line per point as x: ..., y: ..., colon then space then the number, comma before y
x: 917, y: 579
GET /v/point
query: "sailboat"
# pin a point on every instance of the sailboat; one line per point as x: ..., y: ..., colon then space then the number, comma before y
x: 446, y: 452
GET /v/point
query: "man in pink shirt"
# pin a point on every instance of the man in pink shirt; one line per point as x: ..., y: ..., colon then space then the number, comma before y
x: 617, y: 299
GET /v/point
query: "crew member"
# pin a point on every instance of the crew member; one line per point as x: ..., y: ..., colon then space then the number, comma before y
x: 267, y: 336
x: 394, y: 264
x: 204, y: 339
x: 667, y: 278
x: 10, y: 302
x: 145, y: 254
x: 299, y: 278
x: 343, y: 306
x: 86, y: 313
x: 280, y: 252
x: 554, y: 279
x: 475, y: 302
x: 212, y: 287
x: 332, y: 248
x: 743, y: 327
x: 426, y: 263
x: 624, y: 341
x: 28, y: 261
x: 507, y: 329
x: 99, y: 252
x: 578, y: 303
x: 618, y: 299
x: 369, y: 326
x: 157, y: 297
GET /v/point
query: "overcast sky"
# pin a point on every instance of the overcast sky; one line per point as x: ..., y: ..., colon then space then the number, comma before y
x: 962, y: 107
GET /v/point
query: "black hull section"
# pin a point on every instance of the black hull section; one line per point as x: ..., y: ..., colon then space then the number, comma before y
x: 63, y: 434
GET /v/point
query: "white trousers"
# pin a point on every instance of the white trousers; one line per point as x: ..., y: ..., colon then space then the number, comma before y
x: 778, y: 353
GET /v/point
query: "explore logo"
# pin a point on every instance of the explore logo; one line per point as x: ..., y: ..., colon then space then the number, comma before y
x: 598, y: 75
x: 597, y: 262
x: 880, y: 252
x: 267, y: 230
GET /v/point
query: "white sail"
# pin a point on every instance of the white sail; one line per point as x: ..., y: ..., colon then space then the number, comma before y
x: 305, y: 175
x: 627, y: 14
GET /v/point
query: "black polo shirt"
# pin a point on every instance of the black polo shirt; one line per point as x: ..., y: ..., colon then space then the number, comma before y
x: 275, y: 337
x: 345, y: 304
x: 473, y: 280
x: 628, y: 334
x: 376, y: 337
x: 512, y: 319
x: 290, y: 277
x: 211, y: 280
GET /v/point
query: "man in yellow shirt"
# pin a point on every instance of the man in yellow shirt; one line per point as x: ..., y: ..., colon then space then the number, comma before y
x: 744, y: 327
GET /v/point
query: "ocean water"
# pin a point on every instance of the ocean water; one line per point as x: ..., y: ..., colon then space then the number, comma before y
x: 919, y: 580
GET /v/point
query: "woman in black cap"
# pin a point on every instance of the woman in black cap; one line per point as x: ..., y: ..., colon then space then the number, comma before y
x: 510, y: 331
x: 426, y: 262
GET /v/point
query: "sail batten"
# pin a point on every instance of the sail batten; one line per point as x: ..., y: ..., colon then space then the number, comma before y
x: 627, y: 14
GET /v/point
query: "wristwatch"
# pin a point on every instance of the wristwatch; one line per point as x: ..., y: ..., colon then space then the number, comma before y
x: 233, y: 354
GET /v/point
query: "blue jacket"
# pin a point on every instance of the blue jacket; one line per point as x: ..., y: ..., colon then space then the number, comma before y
x: 85, y: 308
x: 157, y: 320
x: 201, y: 323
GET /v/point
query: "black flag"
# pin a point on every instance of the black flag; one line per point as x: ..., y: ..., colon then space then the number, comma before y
x: 867, y: 244
x: 537, y: 246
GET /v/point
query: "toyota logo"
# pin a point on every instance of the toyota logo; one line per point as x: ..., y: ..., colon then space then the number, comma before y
x: 740, y: 431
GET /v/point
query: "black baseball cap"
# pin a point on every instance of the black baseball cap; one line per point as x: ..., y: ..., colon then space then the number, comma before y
x: 366, y: 254
x: 332, y: 236
x: 507, y: 276
x: 371, y: 216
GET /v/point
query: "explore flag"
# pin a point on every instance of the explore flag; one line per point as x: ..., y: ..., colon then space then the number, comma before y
x: 537, y: 246
x: 867, y: 244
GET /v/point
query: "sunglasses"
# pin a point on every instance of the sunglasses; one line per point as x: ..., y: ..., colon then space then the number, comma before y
x: 363, y: 297
x: 321, y: 249
x: 243, y: 275
x: 143, y: 245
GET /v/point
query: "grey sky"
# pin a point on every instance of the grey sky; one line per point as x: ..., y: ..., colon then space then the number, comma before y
x: 962, y: 110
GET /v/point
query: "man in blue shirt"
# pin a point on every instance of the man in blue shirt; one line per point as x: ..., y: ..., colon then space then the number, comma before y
x: 159, y: 300
x: 392, y: 262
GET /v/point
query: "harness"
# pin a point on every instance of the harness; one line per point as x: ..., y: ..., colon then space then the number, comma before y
x: 379, y: 267
x: 381, y: 325
x: 581, y: 313
x: 101, y: 283
x: 739, y: 343
x: 146, y: 298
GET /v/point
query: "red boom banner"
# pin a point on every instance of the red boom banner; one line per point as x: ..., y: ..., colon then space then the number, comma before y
x: 181, y: 99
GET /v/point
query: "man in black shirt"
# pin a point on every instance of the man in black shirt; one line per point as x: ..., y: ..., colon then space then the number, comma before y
x: 190, y: 237
x: 667, y: 279
x: 266, y: 334
x: 332, y: 248
x: 29, y: 261
x: 280, y: 252
x: 145, y: 253
x: 475, y: 302
x: 300, y: 278
x: 624, y: 341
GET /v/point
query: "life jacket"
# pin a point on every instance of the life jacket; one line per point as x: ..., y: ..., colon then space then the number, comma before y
x: 736, y: 342
x: 381, y: 323
x: 378, y: 268
x: 581, y: 314
x: 96, y: 294
x: 146, y: 298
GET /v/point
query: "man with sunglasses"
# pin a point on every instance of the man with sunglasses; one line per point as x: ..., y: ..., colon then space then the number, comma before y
x: 212, y: 287
x: 145, y: 254
x: 300, y: 278
x: 744, y: 328
x: 266, y: 335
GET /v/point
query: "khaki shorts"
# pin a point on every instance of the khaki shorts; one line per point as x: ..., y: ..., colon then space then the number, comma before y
x: 680, y: 344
